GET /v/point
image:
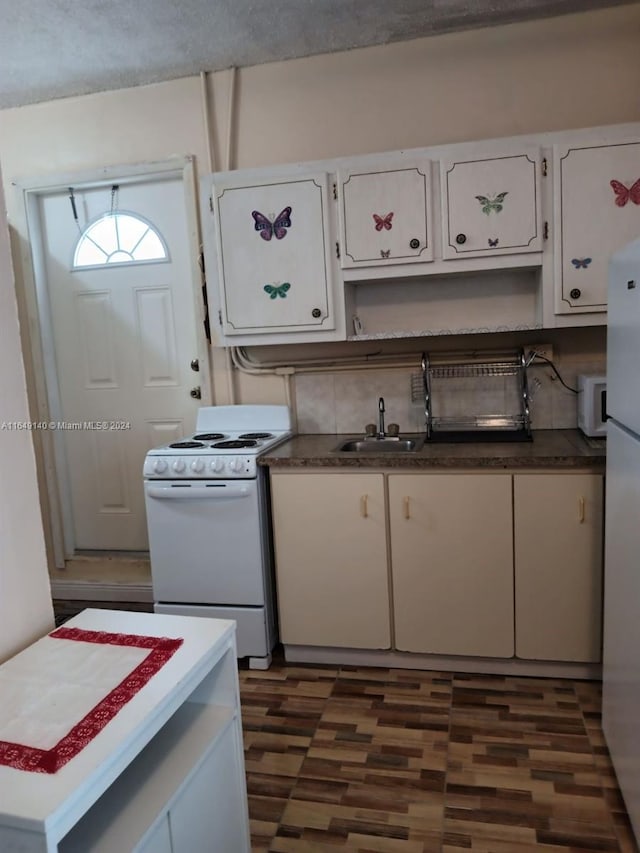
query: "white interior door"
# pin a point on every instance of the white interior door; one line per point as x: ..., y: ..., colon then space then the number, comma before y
x: 123, y: 336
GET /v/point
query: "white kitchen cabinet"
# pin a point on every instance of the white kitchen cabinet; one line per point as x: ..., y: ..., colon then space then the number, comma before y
x: 273, y: 256
x: 596, y: 212
x: 385, y: 215
x: 452, y: 563
x: 481, y: 564
x: 490, y: 235
x: 558, y: 524
x: 491, y: 205
x: 331, y: 559
x: 165, y: 775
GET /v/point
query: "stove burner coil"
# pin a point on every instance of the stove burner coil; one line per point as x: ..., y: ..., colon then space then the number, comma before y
x: 234, y: 443
x: 255, y: 435
x: 186, y: 444
x: 208, y: 436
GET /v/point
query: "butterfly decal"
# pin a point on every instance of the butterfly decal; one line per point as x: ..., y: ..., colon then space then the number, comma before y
x: 276, y: 226
x: 493, y: 243
x: 383, y: 221
x: 623, y: 194
x: 385, y: 254
x: 489, y: 204
x: 581, y: 263
x: 275, y: 290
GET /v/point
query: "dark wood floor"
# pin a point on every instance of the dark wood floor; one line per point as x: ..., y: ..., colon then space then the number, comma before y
x: 405, y: 761
x: 401, y: 760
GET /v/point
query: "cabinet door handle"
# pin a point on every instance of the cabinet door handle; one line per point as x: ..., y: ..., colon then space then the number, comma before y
x: 364, y: 512
x: 581, y: 510
x: 407, y: 509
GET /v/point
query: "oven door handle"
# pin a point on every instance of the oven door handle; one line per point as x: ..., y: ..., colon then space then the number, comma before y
x: 195, y: 493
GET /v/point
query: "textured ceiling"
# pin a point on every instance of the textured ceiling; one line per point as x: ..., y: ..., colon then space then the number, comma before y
x: 56, y: 48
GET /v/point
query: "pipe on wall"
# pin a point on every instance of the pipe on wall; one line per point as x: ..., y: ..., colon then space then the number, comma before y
x: 206, y: 117
x: 211, y: 162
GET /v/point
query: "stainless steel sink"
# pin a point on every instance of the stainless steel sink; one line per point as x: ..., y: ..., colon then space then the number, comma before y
x: 380, y: 445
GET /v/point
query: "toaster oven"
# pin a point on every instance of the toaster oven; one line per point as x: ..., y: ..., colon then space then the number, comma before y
x: 592, y: 405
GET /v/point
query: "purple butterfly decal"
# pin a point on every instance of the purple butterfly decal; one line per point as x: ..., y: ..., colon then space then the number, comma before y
x: 276, y: 226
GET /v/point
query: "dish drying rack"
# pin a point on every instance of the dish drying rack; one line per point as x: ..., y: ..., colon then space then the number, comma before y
x: 498, y: 396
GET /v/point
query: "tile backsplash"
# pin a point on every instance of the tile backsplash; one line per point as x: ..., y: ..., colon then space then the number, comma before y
x: 345, y: 401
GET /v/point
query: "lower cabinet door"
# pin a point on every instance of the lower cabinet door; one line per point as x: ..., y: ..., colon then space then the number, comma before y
x: 558, y: 566
x: 452, y: 563
x: 331, y: 559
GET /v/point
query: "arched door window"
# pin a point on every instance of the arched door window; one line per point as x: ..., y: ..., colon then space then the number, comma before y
x: 119, y: 238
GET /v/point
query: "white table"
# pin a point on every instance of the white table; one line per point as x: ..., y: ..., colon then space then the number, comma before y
x: 165, y: 775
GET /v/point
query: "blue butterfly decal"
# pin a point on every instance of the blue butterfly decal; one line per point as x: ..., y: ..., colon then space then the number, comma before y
x: 581, y: 263
x: 276, y: 226
x: 493, y: 243
x: 275, y: 290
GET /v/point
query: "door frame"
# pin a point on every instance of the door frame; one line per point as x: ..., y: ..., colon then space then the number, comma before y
x: 44, y: 377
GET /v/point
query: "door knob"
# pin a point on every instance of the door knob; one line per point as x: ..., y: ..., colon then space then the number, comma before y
x: 195, y: 364
x: 196, y: 393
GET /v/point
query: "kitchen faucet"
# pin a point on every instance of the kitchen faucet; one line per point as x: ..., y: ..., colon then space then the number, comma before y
x: 381, y: 418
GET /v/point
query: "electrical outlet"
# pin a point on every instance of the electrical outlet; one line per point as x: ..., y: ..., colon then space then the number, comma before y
x: 545, y: 350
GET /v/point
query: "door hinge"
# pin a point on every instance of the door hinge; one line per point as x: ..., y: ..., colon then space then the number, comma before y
x: 545, y: 231
x: 220, y: 317
x: 335, y: 191
x: 544, y: 167
x: 337, y: 249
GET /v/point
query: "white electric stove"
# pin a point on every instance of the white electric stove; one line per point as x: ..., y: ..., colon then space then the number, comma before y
x: 209, y: 523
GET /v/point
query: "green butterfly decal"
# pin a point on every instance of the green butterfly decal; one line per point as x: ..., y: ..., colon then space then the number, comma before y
x: 275, y: 290
x: 489, y: 204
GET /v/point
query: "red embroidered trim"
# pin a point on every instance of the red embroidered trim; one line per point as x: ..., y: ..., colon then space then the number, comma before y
x: 37, y: 760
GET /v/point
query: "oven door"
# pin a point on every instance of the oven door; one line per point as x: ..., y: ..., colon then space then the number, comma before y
x: 207, y: 541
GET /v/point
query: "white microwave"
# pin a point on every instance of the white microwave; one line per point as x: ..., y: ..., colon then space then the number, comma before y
x: 592, y: 404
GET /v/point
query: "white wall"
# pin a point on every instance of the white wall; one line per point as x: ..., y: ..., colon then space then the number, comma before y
x: 25, y: 597
x: 556, y: 74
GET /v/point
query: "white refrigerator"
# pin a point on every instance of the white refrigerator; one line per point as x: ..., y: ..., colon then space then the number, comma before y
x: 621, y: 653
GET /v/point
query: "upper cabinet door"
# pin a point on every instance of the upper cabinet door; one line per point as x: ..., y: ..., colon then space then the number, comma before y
x: 491, y: 205
x: 273, y: 254
x: 597, y: 211
x: 385, y: 215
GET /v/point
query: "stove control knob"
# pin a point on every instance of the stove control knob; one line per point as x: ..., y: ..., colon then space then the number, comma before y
x: 179, y: 466
x: 159, y: 466
x: 197, y: 466
x: 217, y: 464
x: 235, y: 464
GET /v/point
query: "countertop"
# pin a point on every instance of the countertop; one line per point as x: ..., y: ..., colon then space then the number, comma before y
x: 562, y: 449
